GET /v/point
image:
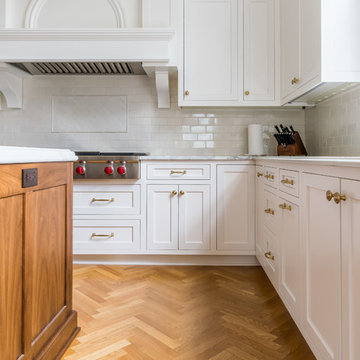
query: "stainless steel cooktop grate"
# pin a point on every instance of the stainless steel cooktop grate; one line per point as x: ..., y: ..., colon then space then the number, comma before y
x: 82, y: 68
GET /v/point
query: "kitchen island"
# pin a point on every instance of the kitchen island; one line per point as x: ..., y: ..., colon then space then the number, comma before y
x: 36, y: 316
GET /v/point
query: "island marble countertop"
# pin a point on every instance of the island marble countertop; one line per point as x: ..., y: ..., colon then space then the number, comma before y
x: 21, y: 155
x: 315, y: 160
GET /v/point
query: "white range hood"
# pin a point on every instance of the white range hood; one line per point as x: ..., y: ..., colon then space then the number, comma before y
x: 26, y: 52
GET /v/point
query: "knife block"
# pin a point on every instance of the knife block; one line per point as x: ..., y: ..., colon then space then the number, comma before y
x: 296, y: 149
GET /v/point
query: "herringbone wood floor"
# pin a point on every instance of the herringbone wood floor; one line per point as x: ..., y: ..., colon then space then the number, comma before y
x: 182, y: 313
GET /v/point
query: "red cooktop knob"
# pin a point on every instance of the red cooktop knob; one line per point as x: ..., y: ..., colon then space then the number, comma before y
x: 80, y: 170
x: 108, y: 170
x: 121, y: 170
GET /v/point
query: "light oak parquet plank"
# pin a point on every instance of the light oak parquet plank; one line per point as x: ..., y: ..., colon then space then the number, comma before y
x: 181, y: 313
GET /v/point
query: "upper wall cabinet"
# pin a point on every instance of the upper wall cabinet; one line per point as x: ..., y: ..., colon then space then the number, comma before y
x: 319, y: 46
x: 228, y: 53
x: 211, y: 51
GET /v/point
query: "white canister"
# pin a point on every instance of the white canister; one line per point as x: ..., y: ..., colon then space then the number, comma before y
x: 255, y: 140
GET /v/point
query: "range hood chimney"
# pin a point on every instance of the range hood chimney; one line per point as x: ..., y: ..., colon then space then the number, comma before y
x: 37, y: 52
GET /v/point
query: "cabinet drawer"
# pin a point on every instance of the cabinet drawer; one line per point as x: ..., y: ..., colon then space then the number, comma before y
x: 289, y: 182
x: 176, y: 171
x: 271, y: 176
x: 105, y: 200
x: 270, y: 209
x: 105, y: 236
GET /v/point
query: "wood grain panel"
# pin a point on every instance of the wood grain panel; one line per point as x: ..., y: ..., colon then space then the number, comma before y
x: 45, y: 253
x: 49, y: 175
x: 11, y: 239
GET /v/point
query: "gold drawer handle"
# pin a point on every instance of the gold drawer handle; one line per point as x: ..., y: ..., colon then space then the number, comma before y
x: 102, y: 235
x: 177, y: 172
x: 268, y: 255
x: 182, y: 192
x: 294, y: 81
x: 174, y: 192
x: 247, y: 93
x: 102, y: 200
x: 269, y: 211
x: 187, y: 92
x: 288, y: 181
x: 259, y: 174
x: 268, y: 176
x: 284, y: 206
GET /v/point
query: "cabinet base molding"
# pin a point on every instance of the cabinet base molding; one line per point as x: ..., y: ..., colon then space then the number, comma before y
x: 201, y: 260
x: 59, y: 343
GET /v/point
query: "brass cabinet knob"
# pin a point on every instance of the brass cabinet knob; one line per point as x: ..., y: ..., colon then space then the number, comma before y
x: 174, y: 192
x: 269, y: 211
x: 268, y: 176
x: 186, y: 92
x: 182, y: 192
x: 259, y: 174
x: 336, y: 196
x: 247, y: 93
x: 288, y: 181
x: 294, y: 81
x: 269, y: 255
x: 284, y: 206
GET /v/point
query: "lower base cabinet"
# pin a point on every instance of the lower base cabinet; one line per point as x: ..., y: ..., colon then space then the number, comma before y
x: 321, y: 315
x: 36, y: 316
x: 178, y: 217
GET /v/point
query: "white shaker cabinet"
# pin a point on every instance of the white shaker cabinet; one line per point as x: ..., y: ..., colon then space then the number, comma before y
x: 259, y: 50
x: 235, y: 207
x: 350, y: 226
x: 178, y: 217
x: 211, y: 51
x: 260, y: 245
x: 289, y: 286
x: 321, y: 238
x: 163, y: 214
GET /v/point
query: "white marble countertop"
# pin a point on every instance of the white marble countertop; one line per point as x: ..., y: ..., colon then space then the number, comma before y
x: 319, y: 160
x: 21, y: 155
x: 196, y: 158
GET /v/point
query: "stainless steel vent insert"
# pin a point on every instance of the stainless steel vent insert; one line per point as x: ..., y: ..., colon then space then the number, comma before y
x: 82, y: 68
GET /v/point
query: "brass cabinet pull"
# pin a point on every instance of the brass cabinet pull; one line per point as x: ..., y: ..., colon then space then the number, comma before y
x: 269, y: 211
x: 336, y: 196
x: 329, y: 195
x: 177, y: 172
x: 269, y: 176
x: 182, y: 192
x: 259, y: 174
x: 187, y: 92
x: 268, y: 255
x: 103, y: 235
x: 102, y: 200
x: 247, y: 93
x: 174, y: 192
x: 284, y: 206
x: 294, y: 81
x: 287, y: 181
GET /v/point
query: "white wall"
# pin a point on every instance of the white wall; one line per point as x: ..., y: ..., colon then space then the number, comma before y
x: 333, y: 127
x: 172, y: 131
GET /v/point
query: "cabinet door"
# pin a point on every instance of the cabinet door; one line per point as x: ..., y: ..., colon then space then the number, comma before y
x: 235, y: 207
x: 350, y: 225
x: 210, y: 50
x: 289, y: 254
x: 322, y: 265
x: 163, y: 216
x: 194, y: 217
x: 310, y: 40
x: 260, y: 246
x: 11, y: 284
x: 45, y: 264
x: 290, y: 37
x: 259, y: 50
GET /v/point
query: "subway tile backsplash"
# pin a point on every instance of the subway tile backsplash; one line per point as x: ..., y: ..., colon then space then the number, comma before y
x: 333, y: 127
x: 174, y: 131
